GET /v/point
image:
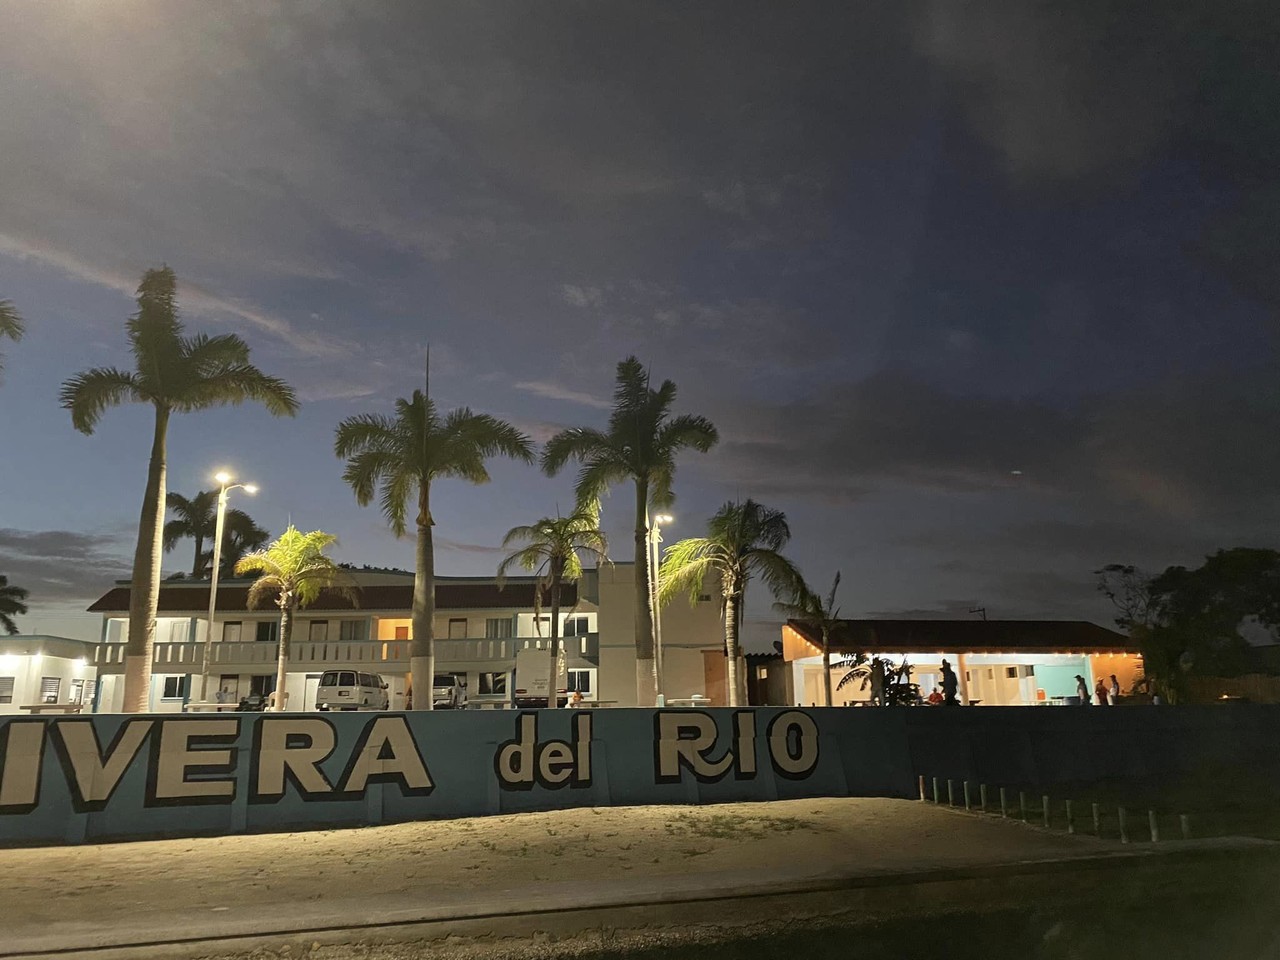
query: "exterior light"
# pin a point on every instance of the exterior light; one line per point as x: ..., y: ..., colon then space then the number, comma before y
x: 664, y: 518
x: 222, y: 477
x: 250, y: 488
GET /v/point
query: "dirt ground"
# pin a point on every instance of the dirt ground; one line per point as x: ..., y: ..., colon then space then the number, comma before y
x: 447, y: 860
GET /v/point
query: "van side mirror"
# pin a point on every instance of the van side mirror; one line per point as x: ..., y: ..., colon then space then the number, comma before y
x: 384, y: 686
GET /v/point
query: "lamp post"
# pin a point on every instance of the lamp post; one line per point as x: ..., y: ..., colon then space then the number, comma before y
x: 225, y: 486
x: 655, y: 538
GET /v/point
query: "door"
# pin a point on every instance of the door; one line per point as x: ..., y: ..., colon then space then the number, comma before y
x: 309, y: 689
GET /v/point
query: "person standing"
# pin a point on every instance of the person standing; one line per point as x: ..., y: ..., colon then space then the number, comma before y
x: 1082, y: 691
x: 1113, y: 694
x: 950, y: 684
x: 1100, y: 692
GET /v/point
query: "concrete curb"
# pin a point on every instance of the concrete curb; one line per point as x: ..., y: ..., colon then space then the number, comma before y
x: 567, y: 909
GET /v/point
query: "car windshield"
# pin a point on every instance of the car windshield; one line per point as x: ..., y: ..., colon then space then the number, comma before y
x: 444, y: 680
x: 329, y: 680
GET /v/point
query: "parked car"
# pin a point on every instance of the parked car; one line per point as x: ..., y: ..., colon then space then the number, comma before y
x: 448, y: 692
x: 351, y: 690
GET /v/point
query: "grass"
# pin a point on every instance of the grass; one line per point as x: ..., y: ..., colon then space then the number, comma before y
x: 728, y: 826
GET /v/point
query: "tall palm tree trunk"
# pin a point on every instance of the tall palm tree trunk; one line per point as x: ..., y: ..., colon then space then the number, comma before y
x: 196, y: 564
x: 826, y: 664
x: 557, y: 575
x: 282, y: 661
x: 422, y: 648
x: 144, y: 588
x: 732, y: 611
x: 646, y: 676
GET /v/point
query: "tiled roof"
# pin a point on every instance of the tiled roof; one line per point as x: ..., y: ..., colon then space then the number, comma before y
x: 395, y: 597
x: 970, y: 636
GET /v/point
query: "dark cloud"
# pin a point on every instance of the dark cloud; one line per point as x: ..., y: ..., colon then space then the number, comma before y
x: 59, y: 566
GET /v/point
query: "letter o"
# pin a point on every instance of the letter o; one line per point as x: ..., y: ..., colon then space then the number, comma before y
x: 800, y: 764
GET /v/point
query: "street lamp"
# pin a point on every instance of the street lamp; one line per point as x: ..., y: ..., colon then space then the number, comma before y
x: 655, y: 538
x: 225, y: 486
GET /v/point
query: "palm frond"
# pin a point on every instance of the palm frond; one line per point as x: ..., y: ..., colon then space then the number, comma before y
x: 685, y: 566
x: 579, y: 443
x: 688, y: 431
x: 11, y: 324
x: 233, y: 384
x: 91, y: 392
x: 208, y: 355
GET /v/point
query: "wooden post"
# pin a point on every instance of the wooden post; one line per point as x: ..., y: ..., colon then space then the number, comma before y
x: 1071, y: 824
x: 1155, y: 826
x: 1185, y: 823
x: 1124, y: 827
x: 951, y: 793
x: 1097, y: 821
x: 1022, y: 804
x: 935, y: 790
x: 968, y: 807
x: 1045, y: 802
x: 922, y: 789
x: 1004, y: 803
x: 982, y: 796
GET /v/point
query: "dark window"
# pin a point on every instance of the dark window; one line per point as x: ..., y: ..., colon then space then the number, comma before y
x: 174, y: 688
x: 494, y: 684
x: 576, y: 627
x: 49, y: 687
x: 366, y: 680
x: 498, y: 628
x: 262, y: 685
x: 1011, y: 673
x: 350, y: 631
x: 267, y: 631
x: 6, y: 689
x: 231, y: 631
x: 579, y: 680
x: 329, y: 680
x: 346, y: 679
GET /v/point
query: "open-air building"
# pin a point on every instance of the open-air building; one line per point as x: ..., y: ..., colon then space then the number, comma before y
x: 997, y: 662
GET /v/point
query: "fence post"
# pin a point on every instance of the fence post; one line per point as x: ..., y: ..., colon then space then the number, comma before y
x: 1022, y: 804
x: 967, y: 806
x: 1097, y: 821
x: 1044, y: 800
x: 935, y: 789
x: 1155, y: 826
x: 1071, y: 824
x: 1185, y: 822
x: 1124, y: 827
x: 982, y: 796
x: 921, y: 788
x: 951, y: 793
x: 1004, y: 804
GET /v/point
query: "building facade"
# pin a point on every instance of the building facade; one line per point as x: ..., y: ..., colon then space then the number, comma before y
x: 481, y: 630
x: 39, y: 670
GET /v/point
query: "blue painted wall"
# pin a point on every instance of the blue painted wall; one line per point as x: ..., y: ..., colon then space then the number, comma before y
x: 49, y: 766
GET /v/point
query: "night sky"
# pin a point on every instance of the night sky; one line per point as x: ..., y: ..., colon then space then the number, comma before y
x: 982, y: 295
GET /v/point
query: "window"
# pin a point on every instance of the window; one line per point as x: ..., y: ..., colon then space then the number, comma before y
x: 346, y: 679
x: 6, y: 689
x: 457, y: 628
x: 231, y: 631
x: 262, y: 685
x: 49, y: 687
x: 494, y: 684
x: 402, y: 633
x: 329, y: 679
x: 1011, y: 673
x: 366, y: 680
x: 579, y: 680
x: 704, y: 598
x: 174, y: 688
x: 576, y: 627
x: 318, y: 632
x: 267, y: 631
x: 351, y: 631
x: 77, y: 691
x: 498, y: 628
x: 542, y: 626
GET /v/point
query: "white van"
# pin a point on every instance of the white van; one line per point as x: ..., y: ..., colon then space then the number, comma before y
x: 351, y: 690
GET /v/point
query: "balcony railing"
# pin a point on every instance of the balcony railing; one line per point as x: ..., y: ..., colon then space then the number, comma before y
x: 307, y: 653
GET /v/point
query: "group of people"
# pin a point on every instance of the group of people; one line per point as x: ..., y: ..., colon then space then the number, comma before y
x: 1105, y: 694
x: 944, y: 695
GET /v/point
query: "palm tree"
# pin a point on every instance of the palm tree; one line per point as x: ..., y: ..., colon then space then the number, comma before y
x: 552, y: 551
x: 743, y: 540
x: 640, y: 445
x: 195, y: 518
x: 11, y: 325
x: 293, y: 571
x: 819, y: 614
x: 11, y: 605
x: 400, y: 456
x: 174, y: 373
x: 243, y: 536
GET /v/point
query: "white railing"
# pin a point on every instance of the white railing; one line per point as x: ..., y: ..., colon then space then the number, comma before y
x: 308, y: 652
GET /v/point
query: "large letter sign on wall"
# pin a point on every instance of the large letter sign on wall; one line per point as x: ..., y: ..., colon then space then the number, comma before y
x: 80, y: 778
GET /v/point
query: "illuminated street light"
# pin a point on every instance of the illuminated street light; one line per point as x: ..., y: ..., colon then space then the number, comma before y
x: 655, y: 538
x: 225, y: 487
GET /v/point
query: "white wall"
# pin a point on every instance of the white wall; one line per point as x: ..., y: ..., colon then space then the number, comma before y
x: 28, y: 671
